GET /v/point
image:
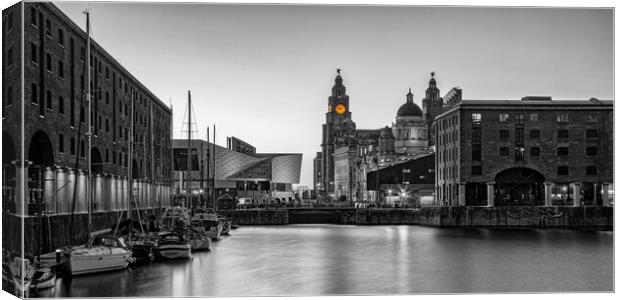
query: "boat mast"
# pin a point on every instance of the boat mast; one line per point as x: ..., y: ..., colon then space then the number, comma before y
x: 208, y: 168
x: 88, y: 122
x: 214, y: 169
x: 130, y: 164
x: 189, y: 137
x: 152, y: 161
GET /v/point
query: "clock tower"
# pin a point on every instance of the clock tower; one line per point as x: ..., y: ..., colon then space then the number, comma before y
x: 338, y: 131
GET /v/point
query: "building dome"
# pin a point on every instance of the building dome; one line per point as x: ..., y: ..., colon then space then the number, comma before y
x: 409, y: 109
x: 386, y: 133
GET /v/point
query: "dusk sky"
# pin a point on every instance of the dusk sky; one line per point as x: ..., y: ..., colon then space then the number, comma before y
x: 263, y: 73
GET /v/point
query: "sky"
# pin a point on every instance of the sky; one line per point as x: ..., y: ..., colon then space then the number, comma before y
x: 263, y: 73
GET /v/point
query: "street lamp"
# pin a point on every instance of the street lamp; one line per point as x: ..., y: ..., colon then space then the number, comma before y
x: 405, y: 183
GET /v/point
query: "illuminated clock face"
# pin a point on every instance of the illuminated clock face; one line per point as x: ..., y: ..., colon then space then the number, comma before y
x: 340, y: 108
x: 329, y: 108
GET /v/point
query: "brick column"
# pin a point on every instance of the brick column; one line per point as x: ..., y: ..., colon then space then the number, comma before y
x: 548, y: 187
x: 490, y: 193
x: 577, y: 194
x: 605, y: 193
x: 462, y: 193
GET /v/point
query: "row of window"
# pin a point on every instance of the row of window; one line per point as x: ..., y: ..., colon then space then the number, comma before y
x: 535, y: 134
x: 535, y: 151
x: 561, y: 170
x: 122, y: 157
x: 519, y: 118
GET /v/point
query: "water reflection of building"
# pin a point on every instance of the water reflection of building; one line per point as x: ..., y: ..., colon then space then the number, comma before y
x: 55, y: 114
x: 530, y: 152
x: 262, y: 177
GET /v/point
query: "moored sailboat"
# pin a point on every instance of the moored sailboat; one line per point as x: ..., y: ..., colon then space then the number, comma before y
x: 101, y: 252
x: 172, y: 246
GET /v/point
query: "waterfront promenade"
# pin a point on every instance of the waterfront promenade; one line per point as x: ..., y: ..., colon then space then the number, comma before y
x: 471, y: 216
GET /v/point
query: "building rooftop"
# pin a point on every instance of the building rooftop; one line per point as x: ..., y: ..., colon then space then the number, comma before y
x: 530, y: 103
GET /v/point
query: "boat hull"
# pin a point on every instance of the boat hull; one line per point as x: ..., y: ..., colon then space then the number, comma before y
x: 173, y: 251
x: 44, y: 279
x: 200, y: 244
x: 98, y: 260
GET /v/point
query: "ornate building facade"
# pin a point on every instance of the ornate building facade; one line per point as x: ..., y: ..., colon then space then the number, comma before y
x: 348, y: 154
x: 338, y: 131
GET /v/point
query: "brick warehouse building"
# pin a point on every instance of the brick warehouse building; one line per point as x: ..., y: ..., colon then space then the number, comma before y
x: 54, y: 121
x: 530, y: 152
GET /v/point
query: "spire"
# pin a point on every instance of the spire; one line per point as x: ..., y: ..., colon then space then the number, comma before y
x: 338, y: 90
x: 432, y: 82
x: 338, y: 77
x: 410, y: 96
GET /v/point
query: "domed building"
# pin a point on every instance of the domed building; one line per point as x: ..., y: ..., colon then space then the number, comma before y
x: 409, y: 130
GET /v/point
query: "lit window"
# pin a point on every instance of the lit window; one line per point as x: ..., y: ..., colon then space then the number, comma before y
x: 504, y: 117
x: 534, y: 117
x: 591, y: 118
x: 563, y: 117
x: 519, y: 118
x: 476, y: 119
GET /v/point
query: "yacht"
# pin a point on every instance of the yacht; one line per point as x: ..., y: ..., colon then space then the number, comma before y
x: 101, y: 253
x: 172, y: 246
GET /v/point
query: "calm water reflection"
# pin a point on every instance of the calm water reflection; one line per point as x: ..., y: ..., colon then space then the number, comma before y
x: 333, y: 259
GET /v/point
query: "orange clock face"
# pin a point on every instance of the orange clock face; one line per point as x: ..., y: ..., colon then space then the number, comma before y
x: 340, y: 108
